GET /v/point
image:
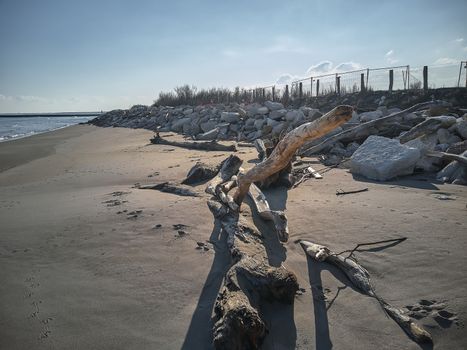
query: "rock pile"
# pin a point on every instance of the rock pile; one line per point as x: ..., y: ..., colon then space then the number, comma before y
x: 400, y: 146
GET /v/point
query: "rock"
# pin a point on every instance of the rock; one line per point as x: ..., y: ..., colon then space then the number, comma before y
x: 445, y: 120
x: 424, y: 144
x: 367, y: 116
x: 177, y: 126
x: 273, y: 106
x: 259, y: 124
x: 208, y: 126
x: 210, y: 135
x: 262, y: 110
x: 188, y: 111
x: 443, y: 135
x: 230, y: 117
x: 276, y: 130
x: 442, y: 147
x: 278, y: 114
x: 271, y: 122
x: 461, y: 127
x: 380, y: 158
x: 351, y: 148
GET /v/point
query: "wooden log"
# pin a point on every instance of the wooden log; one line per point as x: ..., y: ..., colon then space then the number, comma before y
x: 229, y: 168
x: 286, y: 148
x: 278, y: 217
x: 202, y: 146
x: 363, y: 130
x: 425, y: 78
x: 360, y: 278
x: 261, y: 148
x: 250, y: 279
x: 428, y: 126
x: 460, y: 158
x: 170, y: 187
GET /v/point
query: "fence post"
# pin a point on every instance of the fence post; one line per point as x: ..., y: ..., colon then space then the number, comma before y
x: 338, y: 85
x: 311, y: 87
x: 362, y: 82
x: 391, y: 79
x: 286, y: 95
x: 367, y: 76
x: 273, y: 93
x: 300, y: 90
x: 317, y: 87
x: 408, y: 77
x: 264, y: 94
x: 425, y: 78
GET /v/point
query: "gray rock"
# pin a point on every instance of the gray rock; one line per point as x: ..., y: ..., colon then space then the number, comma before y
x: 177, y: 126
x: 424, y: 144
x: 351, y: 148
x: 442, y: 147
x: 273, y: 106
x: 271, y: 122
x: 262, y: 110
x: 230, y: 117
x: 278, y: 114
x: 367, y: 116
x: 446, y: 120
x: 210, y: 135
x: 380, y: 158
x: 276, y: 130
x: 208, y: 126
x: 188, y: 111
x: 259, y: 124
x: 461, y: 127
x: 443, y: 135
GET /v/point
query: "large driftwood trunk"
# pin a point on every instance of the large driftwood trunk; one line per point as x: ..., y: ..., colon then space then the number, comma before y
x: 203, y: 146
x: 287, y: 147
x: 364, y: 130
x: 238, y: 323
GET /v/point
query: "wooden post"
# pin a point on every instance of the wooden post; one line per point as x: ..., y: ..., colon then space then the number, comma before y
x: 264, y: 94
x: 273, y: 93
x: 286, y: 95
x: 391, y: 79
x: 311, y: 86
x: 425, y: 78
x: 367, y: 76
x: 317, y: 87
x: 300, y: 90
x: 338, y: 85
x: 362, y: 82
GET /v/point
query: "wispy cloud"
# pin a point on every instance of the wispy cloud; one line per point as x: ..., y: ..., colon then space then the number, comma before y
x: 459, y: 40
x: 390, y: 57
x: 447, y: 60
x: 321, y: 68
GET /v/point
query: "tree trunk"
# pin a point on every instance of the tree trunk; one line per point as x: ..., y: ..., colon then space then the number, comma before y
x: 287, y: 147
x: 203, y: 146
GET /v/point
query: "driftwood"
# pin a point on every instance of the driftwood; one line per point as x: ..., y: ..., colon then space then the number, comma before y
x: 363, y: 130
x: 202, y: 146
x: 286, y: 148
x: 341, y: 192
x: 450, y: 156
x: 360, y: 278
x: 261, y: 148
x: 278, y: 217
x: 456, y: 171
x: 426, y: 127
x: 238, y: 322
x: 201, y: 172
x: 458, y: 147
x: 170, y: 187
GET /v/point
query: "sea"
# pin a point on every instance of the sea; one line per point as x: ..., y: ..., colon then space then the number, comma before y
x: 17, y: 127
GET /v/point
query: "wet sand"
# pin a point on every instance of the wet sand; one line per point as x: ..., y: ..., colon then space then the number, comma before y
x: 84, y: 264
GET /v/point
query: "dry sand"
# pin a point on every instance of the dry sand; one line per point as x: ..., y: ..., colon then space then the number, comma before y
x: 77, y: 272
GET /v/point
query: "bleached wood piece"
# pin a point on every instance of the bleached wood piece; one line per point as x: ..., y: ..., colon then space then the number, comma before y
x: 278, y: 217
x: 360, y: 277
x: 286, y: 148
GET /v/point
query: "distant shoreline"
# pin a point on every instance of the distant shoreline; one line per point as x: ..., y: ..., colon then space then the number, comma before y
x: 58, y: 114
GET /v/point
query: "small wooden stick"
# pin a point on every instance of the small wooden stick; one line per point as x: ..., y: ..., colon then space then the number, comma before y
x: 341, y: 192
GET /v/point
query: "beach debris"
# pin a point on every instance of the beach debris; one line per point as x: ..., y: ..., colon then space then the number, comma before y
x: 200, y: 172
x: 341, y: 192
x: 114, y: 202
x: 170, y: 187
x: 360, y: 278
x: 204, y: 146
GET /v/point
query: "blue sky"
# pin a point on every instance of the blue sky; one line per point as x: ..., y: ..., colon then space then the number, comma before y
x: 59, y: 55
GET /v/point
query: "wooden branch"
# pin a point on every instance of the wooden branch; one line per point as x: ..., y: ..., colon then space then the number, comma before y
x: 360, y: 278
x: 229, y: 168
x: 278, y: 217
x: 286, y: 148
x: 428, y: 126
x: 460, y: 158
x: 342, y: 192
x: 261, y: 148
x: 203, y: 146
x: 363, y: 130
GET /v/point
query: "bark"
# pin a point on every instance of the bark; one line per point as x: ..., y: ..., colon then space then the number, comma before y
x: 203, y: 146
x: 360, y: 278
x: 200, y: 172
x: 286, y: 148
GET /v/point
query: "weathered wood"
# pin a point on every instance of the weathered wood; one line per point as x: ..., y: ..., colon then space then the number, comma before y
x: 200, y: 172
x: 170, y: 187
x: 228, y: 169
x: 363, y: 130
x: 261, y: 148
x: 278, y: 217
x: 360, y: 278
x: 203, y: 146
x: 286, y: 148
x: 238, y: 323
x: 460, y: 158
x: 426, y: 127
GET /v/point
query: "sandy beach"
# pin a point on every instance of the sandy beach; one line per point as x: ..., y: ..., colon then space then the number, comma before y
x: 88, y: 261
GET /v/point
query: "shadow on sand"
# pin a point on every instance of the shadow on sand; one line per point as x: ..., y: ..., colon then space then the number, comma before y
x: 278, y: 317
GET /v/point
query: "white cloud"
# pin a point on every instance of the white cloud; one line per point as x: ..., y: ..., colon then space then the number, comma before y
x: 286, y: 79
x: 447, y: 60
x: 321, y: 68
x: 390, y: 57
x: 459, y: 40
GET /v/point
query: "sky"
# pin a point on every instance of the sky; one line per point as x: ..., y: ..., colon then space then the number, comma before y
x: 63, y: 55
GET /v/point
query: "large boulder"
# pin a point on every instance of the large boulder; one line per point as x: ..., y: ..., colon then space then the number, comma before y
x: 278, y: 114
x: 273, y: 106
x: 461, y: 127
x: 380, y: 158
x: 230, y: 117
x: 368, y: 116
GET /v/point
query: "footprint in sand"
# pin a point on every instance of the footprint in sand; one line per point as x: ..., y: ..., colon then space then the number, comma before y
x: 436, y: 310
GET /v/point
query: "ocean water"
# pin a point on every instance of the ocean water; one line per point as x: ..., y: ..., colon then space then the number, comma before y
x: 17, y: 127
